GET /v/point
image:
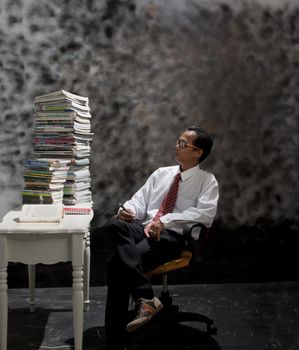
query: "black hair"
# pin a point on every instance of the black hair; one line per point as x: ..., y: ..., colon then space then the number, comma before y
x: 204, y: 140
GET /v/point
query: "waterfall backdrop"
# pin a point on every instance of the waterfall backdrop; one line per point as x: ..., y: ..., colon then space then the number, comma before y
x: 151, y: 68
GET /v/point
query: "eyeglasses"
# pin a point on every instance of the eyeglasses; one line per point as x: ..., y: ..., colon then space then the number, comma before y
x: 183, y: 144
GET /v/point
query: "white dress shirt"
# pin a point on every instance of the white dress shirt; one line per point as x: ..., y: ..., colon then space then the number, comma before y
x: 196, y: 200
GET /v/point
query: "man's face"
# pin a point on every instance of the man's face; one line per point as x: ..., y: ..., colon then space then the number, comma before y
x: 187, y: 156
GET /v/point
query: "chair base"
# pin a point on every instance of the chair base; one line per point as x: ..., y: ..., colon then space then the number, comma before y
x: 176, y: 316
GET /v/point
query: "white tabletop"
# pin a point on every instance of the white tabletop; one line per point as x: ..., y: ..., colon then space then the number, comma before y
x: 69, y: 223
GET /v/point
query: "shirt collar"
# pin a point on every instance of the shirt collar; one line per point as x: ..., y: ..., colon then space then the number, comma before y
x: 188, y: 173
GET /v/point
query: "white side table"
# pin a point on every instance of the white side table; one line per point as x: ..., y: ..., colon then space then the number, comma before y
x: 33, y: 243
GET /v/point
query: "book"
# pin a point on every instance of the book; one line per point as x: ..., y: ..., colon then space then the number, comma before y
x: 61, y: 95
x: 67, y: 106
x: 46, y: 163
x: 43, y: 213
x: 77, y: 211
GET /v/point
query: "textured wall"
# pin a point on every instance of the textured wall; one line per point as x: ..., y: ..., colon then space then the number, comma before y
x: 150, y: 68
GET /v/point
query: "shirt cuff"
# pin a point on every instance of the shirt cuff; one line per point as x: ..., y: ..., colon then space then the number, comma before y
x: 164, y: 223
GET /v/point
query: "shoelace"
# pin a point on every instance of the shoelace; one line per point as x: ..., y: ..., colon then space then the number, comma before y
x: 140, y: 306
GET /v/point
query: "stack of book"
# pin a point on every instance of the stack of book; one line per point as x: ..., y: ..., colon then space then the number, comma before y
x: 63, y: 133
x: 44, y: 181
x: 77, y: 186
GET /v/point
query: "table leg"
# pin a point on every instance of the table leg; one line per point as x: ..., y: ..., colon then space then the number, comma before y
x: 86, y: 272
x: 31, y: 276
x: 3, y: 308
x: 78, y: 302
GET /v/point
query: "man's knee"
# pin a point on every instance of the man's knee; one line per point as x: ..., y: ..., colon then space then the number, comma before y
x: 116, y: 228
x: 115, y: 224
x: 112, y: 224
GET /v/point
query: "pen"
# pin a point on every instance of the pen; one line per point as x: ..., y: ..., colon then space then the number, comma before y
x: 123, y: 208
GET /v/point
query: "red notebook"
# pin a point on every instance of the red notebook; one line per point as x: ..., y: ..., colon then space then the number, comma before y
x: 76, y: 211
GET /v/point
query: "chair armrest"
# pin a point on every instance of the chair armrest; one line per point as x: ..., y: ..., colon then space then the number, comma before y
x: 192, y: 244
x: 190, y: 241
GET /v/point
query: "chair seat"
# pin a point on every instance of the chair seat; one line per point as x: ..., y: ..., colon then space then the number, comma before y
x: 175, y: 264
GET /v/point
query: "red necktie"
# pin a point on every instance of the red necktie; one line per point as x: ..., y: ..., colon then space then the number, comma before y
x: 168, y: 202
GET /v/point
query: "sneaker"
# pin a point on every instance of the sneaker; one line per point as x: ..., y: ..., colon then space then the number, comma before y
x: 146, y: 310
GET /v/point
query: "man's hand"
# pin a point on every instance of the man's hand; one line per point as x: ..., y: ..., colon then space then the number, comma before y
x: 126, y: 215
x: 155, y: 230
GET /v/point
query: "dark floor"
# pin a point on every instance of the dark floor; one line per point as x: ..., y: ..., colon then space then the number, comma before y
x: 254, y: 316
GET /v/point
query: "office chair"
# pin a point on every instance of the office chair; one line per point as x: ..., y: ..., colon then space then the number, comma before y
x: 195, y: 235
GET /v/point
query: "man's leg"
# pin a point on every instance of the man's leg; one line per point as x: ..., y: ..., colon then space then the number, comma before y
x: 153, y: 254
x: 125, y: 270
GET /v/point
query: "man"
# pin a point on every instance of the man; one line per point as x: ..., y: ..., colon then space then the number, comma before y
x: 148, y: 231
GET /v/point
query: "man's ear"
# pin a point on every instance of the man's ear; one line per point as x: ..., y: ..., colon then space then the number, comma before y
x: 199, y: 153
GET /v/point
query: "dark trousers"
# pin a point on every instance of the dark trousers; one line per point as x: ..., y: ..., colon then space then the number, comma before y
x: 135, y: 254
